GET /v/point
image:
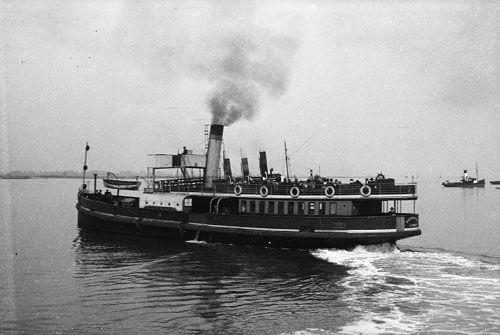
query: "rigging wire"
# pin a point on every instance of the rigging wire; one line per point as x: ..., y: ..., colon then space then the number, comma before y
x: 309, y: 139
x: 302, y: 145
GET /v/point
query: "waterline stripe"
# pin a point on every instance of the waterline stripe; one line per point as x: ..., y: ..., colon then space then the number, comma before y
x: 239, y: 227
x: 365, y: 231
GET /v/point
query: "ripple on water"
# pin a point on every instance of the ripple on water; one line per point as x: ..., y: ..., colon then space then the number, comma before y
x: 216, y: 288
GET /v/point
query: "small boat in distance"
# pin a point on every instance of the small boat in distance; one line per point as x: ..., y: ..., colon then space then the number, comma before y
x: 120, y: 184
x: 495, y: 182
x: 466, y: 181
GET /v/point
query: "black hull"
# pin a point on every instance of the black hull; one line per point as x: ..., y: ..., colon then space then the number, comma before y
x: 101, y: 222
x: 495, y: 182
x: 297, y: 242
x: 219, y: 228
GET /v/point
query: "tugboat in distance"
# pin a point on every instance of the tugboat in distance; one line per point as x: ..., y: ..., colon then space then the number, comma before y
x: 466, y: 181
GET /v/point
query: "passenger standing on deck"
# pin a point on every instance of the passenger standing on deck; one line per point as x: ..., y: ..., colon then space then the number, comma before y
x: 108, y: 197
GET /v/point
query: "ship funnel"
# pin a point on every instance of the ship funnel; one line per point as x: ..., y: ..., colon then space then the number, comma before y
x: 263, y: 164
x: 213, y: 154
x: 244, y: 168
x: 227, y: 168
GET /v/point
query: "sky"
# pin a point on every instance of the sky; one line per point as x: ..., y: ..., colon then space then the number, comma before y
x: 354, y: 87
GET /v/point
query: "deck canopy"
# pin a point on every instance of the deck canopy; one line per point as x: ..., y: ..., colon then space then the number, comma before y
x: 165, y: 161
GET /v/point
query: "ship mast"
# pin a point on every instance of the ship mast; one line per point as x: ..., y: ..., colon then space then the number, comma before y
x: 87, y: 148
x: 286, y: 162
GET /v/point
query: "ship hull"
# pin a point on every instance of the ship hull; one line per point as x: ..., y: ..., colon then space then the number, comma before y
x: 301, y: 232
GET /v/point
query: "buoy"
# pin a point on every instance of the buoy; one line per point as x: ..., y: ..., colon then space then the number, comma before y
x: 238, y: 189
x: 264, y: 191
x: 294, y: 192
x: 365, y: 190
x: 329, y: 191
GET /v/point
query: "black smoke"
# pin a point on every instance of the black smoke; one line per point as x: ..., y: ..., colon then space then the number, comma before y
x: 251, y: 65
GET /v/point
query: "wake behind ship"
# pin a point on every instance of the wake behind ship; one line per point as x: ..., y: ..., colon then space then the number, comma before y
x: 269, y: 210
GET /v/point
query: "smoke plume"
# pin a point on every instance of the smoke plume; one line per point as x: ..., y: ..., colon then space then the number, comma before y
x: 232, y: 101
x: 250, y: 65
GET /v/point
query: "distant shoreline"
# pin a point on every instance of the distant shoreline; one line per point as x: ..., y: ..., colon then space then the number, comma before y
x: 59, y: 177
x: 40, y: 177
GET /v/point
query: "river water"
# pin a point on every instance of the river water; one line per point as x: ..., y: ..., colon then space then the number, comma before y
x: 55, y: 279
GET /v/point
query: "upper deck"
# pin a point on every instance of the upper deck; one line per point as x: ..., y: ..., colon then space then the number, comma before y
x: 271, y: 189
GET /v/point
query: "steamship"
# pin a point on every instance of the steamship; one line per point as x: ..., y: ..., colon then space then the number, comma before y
x: 269, y: 210
x: 466, y: 181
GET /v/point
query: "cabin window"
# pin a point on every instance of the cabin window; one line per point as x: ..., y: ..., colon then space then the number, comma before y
x: 355, y: 210
x: 262, y: 206
x: 270, y: 207
x: 290, y: 207
x: 243, y: 206
x: 321, y: 208
x: 333, y: 208
x: 252, y: 206
x: 300, y: 207
x: 311, y: 208
x: 281, y: 207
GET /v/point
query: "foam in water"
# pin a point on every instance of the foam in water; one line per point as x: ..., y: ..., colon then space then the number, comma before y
x: 310, y: 331
x: 196, y: 242
x: 406, y: 292
x: 359, y: 255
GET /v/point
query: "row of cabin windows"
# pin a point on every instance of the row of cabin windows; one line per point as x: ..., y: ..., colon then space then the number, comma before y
x: 289, y: 207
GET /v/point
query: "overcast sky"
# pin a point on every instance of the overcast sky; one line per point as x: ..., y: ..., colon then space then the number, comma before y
x: 355, y: 88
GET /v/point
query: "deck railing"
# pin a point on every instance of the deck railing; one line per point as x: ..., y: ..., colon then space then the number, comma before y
x: 197, y: 185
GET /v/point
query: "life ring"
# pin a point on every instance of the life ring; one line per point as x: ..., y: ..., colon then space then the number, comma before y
x: 238, y: 189
x: 365, y: 190
x: 264, y: 191
x: 329, y: 191
x: 294, y: 192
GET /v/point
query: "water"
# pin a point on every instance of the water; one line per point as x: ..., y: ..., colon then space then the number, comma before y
x: 57, y: 279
